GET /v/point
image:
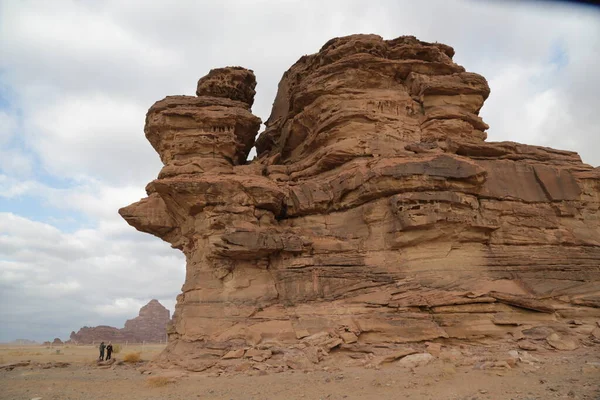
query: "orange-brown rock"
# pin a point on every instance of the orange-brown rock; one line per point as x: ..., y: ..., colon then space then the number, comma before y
x: 151, y: 323
x: 375, y: 214
x: 149, y: 326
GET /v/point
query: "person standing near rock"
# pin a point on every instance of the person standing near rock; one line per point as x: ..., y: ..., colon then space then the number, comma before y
x: 102, y: 347
x: 109, y: 350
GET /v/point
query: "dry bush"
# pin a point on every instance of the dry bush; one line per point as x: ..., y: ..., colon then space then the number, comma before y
x: 132, y: 357
x: 117, y: 348
x: 158, y: 381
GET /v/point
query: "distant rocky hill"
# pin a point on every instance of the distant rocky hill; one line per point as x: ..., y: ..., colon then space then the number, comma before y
x: 24, y: 342
x: 149, y: 326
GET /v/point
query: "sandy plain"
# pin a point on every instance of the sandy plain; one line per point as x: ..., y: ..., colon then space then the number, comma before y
x: 553, y: 374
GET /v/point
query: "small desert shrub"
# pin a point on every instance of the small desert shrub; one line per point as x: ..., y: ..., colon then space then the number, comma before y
x: 132, y: 357
x: 158, y: 381
x: 117, y: 348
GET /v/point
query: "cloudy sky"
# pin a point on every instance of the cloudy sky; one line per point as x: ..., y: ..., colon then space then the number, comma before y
x: 76, y: 79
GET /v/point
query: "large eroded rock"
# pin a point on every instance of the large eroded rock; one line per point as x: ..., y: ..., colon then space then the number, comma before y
x: 375, y: 214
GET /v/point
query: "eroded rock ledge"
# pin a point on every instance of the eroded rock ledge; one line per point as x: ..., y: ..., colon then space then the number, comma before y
x: 375, y: 214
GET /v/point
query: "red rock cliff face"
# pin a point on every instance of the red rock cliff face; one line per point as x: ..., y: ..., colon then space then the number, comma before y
x: 375, y: 213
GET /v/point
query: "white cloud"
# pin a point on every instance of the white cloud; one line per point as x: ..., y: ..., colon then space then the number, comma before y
x: 90, y: 273
x: 15, y: 162
x: 121, y: 307
x: 12, y: 187
x: 87, y: 196
x: 78, y: 45
x: 12, y: 159
x: 97, y: 136
x: 8, y: 126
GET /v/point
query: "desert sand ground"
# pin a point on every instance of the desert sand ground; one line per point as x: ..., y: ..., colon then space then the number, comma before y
x: 553, y: 375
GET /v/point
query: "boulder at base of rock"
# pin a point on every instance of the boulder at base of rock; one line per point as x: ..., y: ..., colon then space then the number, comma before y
x: 239, y: 353
x: 416, y: 360
x: 528, y: 345
x: 561, y: 343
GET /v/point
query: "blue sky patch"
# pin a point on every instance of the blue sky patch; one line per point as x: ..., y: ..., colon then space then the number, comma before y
x: 35, y: 209
x: 559, y: 56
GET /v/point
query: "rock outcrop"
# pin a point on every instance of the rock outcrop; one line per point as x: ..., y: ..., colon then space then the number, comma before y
x: 375, y: 214
x: 151, y: 323
x: 149, y: 326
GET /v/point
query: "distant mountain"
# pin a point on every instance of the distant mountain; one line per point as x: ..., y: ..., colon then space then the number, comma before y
x: 24, y: 342
x: 149, y: 326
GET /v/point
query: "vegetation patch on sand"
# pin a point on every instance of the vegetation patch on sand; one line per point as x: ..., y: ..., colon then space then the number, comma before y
x: 132, y: 357
x: 158, y: 381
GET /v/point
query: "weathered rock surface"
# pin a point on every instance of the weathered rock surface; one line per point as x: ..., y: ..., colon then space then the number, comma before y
x: 374, y: 215
x: 149, y: 326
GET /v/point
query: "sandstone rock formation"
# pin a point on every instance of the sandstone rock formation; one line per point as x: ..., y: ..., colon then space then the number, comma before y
x: 151, y: 323
x: 97, y: 334
x: 375, y: 215
x: 149, y: 326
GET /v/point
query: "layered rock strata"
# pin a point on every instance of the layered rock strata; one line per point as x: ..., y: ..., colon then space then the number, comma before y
x: 374, y: 215
x: 149, y: 326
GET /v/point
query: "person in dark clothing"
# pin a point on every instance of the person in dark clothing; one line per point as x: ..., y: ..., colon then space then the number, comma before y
x: 109, y: 350
x: 102, y: 347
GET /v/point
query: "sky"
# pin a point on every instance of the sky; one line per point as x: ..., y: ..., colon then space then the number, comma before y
x: 77, y: 77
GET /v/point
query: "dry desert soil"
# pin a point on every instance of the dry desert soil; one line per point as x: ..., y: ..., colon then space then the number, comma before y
x: 545, y: 374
